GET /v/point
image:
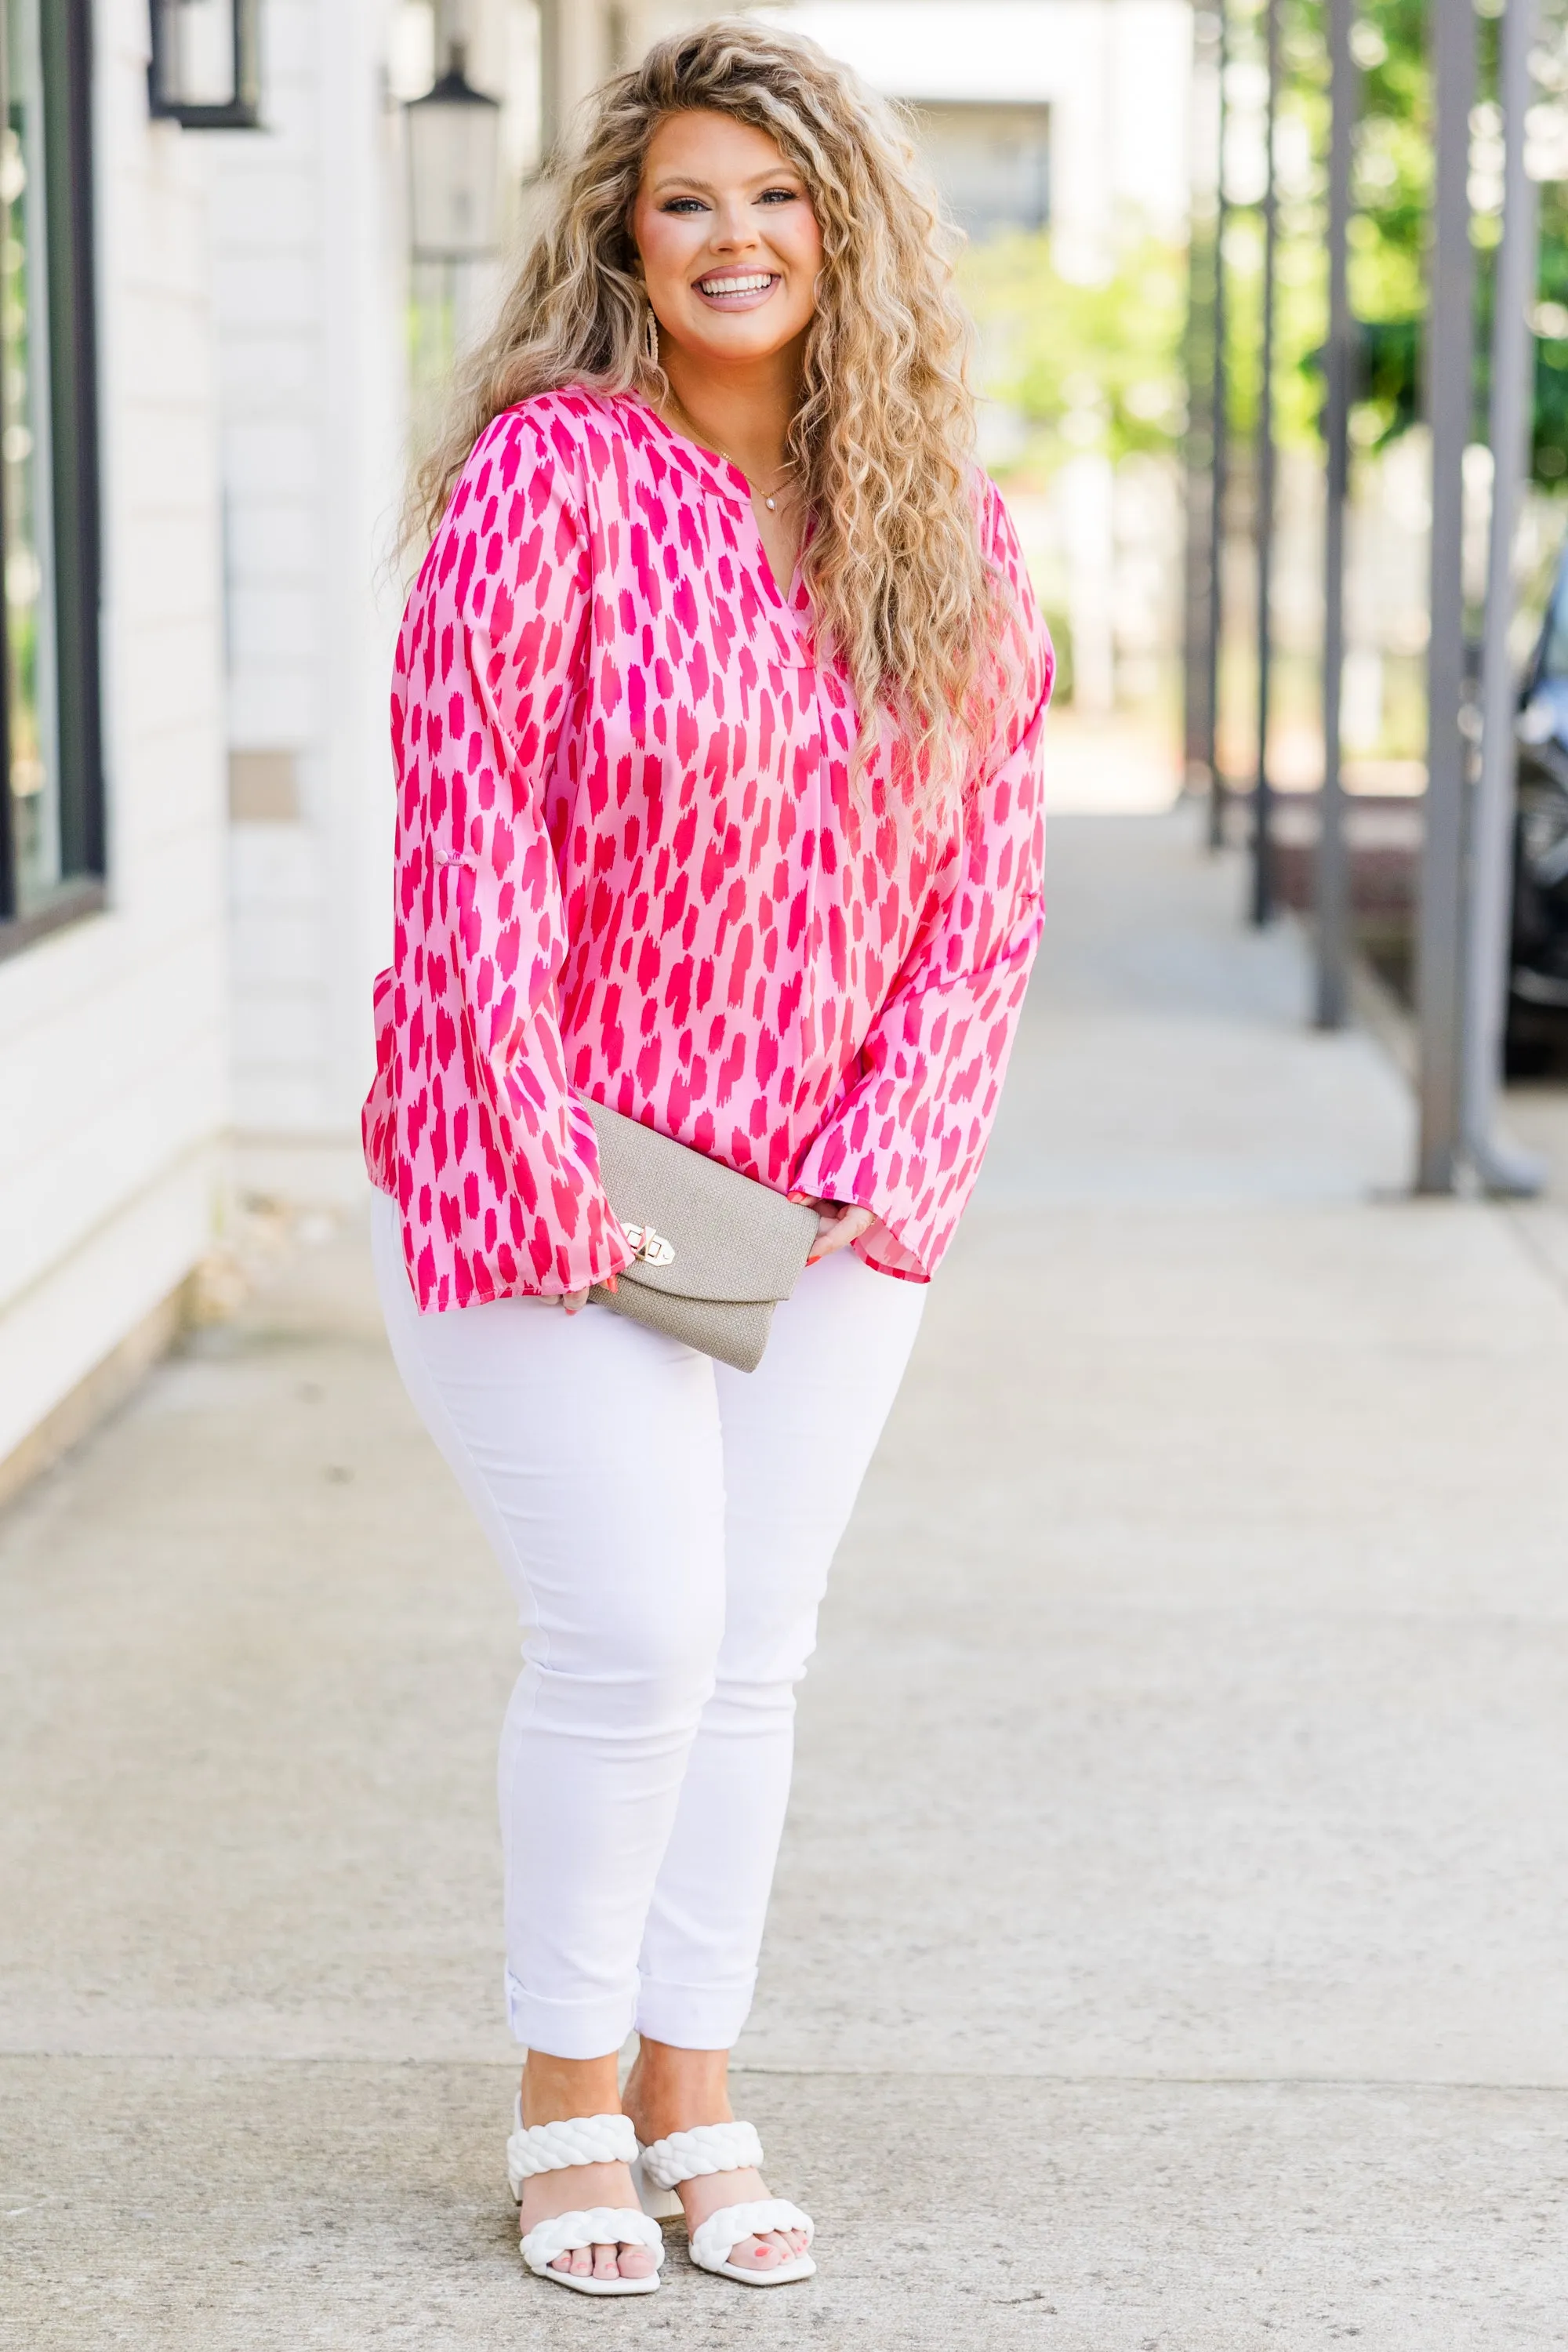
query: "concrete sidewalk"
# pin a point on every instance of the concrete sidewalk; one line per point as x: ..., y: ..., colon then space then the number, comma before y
x: 1169, y: 1938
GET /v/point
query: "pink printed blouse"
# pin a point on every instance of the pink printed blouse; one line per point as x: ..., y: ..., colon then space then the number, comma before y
x: 632, y: 869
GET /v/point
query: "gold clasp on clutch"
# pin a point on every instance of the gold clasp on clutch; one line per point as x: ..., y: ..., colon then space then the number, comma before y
x: 650, y: 1248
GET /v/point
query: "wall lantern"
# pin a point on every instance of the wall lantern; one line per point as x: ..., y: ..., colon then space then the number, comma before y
x: 205, y: 71
x: 454, y: 155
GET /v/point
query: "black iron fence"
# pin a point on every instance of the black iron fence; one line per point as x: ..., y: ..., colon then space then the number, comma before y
x: 1470, y: 388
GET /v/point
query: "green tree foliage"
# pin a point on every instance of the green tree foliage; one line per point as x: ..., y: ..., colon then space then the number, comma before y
x: 1392, y: 192
x: 1086, y: 366
x: 1550, y: 448
x: 1099, y: 365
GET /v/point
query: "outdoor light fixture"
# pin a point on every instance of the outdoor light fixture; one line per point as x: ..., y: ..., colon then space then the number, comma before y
x: 454, y: 155
x: 205, y: 71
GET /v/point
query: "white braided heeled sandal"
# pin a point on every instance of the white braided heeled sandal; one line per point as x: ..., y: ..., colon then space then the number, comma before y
x: 722, y: 2148
x: 556, y: 2147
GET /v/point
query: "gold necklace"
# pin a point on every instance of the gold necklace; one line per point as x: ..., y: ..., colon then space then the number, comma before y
x: 702, y: 438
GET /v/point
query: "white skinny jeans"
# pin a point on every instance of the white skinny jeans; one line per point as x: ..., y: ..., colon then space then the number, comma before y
x: 666, y: 1525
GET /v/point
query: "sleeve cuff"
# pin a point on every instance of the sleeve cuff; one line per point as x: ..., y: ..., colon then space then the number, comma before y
x: 881, y: 1248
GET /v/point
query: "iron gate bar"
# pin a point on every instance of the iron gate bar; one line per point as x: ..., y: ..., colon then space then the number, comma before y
x: 1197, y: 729
x: 1332, y: 864
x: 1448, y: 353
x: 1502, y: 1168
x: 1262, y: 795
x: 1218, y: 401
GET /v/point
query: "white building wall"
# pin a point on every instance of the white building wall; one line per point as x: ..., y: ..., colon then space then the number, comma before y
x: 113, y: 1031
x: 311, y: 280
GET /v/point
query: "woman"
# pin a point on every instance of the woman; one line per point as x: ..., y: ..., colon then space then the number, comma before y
x: 716, y: 722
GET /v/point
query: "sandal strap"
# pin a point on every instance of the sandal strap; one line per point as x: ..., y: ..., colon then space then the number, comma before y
x: 706, y: 2147
x: 555, y: 2147
x: 601, y: 2225
x: 713, y: 2242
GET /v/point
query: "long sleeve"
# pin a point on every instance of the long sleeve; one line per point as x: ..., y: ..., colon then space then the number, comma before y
x: 906, y: 1136
x: 495, y: 1168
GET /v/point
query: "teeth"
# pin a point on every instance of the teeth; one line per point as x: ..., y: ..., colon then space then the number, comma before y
x: 754, y: 285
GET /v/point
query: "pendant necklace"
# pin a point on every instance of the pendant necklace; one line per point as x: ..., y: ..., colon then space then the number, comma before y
x: 698, y: 436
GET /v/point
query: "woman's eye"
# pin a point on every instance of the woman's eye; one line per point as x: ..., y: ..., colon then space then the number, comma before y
x: 684, y: 205
x: 779, y: 195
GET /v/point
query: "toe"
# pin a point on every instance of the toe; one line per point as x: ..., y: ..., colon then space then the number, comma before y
x: 605, y: 2266
x: 759, y: 2254
x: 636, y: 2261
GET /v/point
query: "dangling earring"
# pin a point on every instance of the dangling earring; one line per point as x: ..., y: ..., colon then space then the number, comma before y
x: 650, y: 337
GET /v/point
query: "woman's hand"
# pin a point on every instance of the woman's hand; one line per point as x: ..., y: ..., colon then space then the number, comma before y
x: 839, y: 1222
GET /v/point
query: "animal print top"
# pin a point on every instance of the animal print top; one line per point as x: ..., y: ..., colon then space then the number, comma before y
x: 632, y: 868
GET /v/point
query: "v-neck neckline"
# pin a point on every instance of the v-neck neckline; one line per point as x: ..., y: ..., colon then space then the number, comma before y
x: 712, y: 466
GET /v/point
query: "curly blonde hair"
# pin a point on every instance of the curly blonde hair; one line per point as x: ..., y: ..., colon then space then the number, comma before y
x: 901, y: 589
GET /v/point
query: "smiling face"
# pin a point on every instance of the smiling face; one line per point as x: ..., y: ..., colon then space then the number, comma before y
x: 730, y: 245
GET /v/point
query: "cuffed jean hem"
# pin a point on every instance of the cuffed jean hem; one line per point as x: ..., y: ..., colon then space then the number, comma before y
x: 694, y: 2017
x: 569, y: 2029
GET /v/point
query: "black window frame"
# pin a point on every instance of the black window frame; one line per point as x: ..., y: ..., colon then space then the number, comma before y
x: 242, y: 110
x: 70, y: 297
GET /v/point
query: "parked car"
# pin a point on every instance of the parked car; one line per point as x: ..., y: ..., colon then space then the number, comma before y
x: 1538, y: 960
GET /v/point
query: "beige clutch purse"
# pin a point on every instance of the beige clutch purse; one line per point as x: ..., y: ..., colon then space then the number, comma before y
x: 715, y: 1251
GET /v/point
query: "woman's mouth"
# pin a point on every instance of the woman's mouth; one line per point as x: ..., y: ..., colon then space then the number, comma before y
x: 737, y: 290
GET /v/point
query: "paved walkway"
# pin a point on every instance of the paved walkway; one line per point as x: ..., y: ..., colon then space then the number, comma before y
x: 1168, y: 1949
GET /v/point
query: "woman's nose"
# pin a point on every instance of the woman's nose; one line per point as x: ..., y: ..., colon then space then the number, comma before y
x: 733, y: 226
